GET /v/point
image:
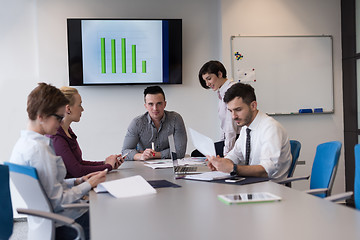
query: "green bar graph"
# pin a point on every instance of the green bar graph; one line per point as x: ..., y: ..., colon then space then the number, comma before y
x: 133, y: 55
x: 103, y: 61
x: 113, y: 56
x: 123, y: 55
x: 113, y: 52
x: 143, y: 66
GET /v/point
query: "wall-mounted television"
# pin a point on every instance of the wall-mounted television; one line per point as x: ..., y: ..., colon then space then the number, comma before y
x: 124, y: 51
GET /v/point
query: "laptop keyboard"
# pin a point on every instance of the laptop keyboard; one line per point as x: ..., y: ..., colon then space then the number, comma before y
x: 183, y: 169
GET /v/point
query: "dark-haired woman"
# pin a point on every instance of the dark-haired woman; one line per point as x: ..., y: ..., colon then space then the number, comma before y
x: 212, y: 75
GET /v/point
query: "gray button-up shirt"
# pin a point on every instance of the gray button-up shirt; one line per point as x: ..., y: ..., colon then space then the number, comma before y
x: 142, y: 132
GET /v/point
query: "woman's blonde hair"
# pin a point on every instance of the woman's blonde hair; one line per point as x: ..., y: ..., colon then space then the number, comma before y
x: 69, y: 93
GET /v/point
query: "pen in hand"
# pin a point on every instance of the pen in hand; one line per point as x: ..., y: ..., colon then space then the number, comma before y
x: 153, y: 148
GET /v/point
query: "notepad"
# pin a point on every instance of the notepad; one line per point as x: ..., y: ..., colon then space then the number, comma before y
x: 126, y: 187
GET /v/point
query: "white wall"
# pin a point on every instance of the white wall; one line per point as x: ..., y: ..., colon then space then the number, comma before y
x: 109, y: 109
x: 294, y: 17
x: 34, y: 48
x: 18, y: 67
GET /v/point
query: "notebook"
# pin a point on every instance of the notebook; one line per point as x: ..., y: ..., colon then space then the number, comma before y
x: 184, y: 169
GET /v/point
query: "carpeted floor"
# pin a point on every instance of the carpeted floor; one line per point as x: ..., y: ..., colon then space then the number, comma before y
x: 20, y: 229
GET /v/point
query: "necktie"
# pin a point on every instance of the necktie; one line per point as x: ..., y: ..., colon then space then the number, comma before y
x: 219, y: 96
x: 247, y: 156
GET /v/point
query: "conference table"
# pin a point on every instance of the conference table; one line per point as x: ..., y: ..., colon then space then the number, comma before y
x: 193, y: 211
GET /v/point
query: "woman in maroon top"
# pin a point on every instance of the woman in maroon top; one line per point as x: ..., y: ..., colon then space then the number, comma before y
x: 67, y: 147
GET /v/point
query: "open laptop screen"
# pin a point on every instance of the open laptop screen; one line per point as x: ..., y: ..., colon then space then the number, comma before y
x: 173, y: 149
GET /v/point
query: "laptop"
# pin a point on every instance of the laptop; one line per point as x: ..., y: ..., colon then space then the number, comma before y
x: 184, y: 169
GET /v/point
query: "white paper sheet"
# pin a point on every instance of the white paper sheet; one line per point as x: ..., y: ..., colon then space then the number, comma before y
x: 202, y: 143
x: 126, y: 187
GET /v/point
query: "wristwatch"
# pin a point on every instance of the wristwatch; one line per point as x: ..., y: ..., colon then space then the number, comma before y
x: 234, y: 171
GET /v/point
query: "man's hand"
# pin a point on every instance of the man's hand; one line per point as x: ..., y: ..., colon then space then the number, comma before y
x: 220, y: 164
x: 148, y: 154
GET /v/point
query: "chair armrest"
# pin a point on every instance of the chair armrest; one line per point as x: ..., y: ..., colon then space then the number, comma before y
x: 54, y: 217
x: 317, y: 191
x: 339, y: 197
x: 47, y: 215
x: 292, y: 179
x: 76, y: 205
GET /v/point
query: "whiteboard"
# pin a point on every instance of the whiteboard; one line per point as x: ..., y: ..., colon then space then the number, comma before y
x: 288, y: 73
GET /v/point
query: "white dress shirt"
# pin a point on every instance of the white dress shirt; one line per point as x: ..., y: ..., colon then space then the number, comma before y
x: 229, y: 128
x: 35, y: 150
x: 270, y: 146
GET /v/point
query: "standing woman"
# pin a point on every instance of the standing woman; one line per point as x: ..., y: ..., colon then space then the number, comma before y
x: 213, y: 75
x: 66, y: 145
x: 46, y: 108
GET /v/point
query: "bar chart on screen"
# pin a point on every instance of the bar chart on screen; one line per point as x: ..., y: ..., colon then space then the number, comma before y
x: 121, y: 52
x: 128, y: 51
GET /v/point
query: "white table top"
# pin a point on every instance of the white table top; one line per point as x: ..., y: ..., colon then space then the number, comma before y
x: 194, y: 212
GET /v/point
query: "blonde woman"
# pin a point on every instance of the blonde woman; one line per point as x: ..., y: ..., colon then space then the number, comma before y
x: 66, y: 145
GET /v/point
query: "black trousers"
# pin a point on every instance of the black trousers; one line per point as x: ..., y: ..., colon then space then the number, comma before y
x: 64, y: 232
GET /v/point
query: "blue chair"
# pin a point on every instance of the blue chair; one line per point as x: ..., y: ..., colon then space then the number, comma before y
x: 295, y: 152
x: 323, y: 170
x: 357, y: 177
x: 6, y: 212
x: 41, y: 219
x: 356, y: 193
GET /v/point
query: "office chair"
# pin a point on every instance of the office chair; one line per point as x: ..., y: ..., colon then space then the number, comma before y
x: 323, y: 170
x: 295, y: 152
x: 6, y: 212
x: 357, y: 177
x: 26, y: 180
x: 356, y: 193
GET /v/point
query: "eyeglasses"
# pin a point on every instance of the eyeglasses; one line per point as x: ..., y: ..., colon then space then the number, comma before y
x: 58, y: 117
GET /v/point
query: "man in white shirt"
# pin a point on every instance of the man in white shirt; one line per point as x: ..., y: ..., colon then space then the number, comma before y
x: 263, y: 148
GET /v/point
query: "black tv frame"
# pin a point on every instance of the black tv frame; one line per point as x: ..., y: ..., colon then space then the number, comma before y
x: 75, y: 52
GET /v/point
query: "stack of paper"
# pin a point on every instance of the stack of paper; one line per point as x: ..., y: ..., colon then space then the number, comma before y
x: 126, y: 187
x: 154, y: 164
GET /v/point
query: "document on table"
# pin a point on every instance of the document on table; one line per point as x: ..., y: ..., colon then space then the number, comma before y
x: 208, y: 176
x: 154, y: 164
x: 126, y: 187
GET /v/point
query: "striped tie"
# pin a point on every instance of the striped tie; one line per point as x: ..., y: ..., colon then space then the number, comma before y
x: 247, y: 156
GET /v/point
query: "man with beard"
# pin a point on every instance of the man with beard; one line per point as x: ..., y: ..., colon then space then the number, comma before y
x: 263, y: 147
